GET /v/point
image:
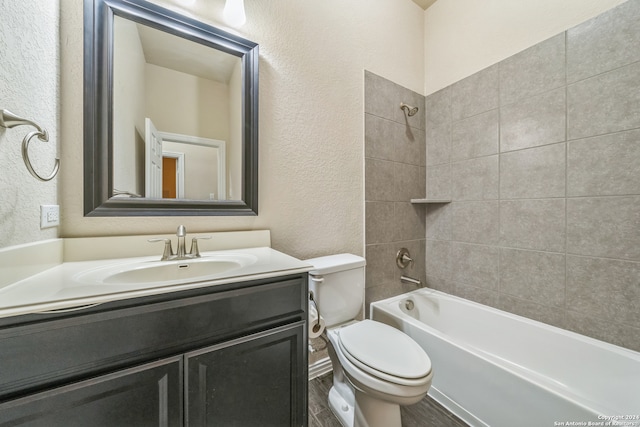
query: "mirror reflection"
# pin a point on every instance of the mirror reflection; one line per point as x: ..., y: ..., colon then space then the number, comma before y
x: 177, y: 117
x: 171, y: 114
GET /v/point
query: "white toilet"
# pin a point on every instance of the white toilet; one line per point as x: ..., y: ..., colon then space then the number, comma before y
x: 376, y: 368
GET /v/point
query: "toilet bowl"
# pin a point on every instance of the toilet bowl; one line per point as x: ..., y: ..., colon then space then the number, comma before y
x: 381, y: 367
x: 376, y: 368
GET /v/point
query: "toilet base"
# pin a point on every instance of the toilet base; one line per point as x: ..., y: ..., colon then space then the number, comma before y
x: 367, y: 412
x: 372, y: 412
x: 343, y: 410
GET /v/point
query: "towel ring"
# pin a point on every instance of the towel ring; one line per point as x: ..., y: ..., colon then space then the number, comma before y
x: 42, y: 136
x: 9, y: 120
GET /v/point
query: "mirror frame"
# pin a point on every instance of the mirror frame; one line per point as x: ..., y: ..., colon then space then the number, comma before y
x: 98, y: 133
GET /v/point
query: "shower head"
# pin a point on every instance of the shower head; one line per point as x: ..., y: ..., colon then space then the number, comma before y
x: 411, y: 111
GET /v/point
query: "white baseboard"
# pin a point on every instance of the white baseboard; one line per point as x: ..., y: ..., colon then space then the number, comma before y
x: 319, y: 368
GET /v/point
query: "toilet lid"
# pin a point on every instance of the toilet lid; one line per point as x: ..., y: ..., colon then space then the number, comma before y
x: 385, y: 349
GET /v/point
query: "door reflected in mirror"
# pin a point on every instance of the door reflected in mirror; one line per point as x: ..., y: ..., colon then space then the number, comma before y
x: 177, y: 117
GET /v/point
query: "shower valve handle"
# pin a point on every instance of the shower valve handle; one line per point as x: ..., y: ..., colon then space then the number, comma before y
x: 403, y: 258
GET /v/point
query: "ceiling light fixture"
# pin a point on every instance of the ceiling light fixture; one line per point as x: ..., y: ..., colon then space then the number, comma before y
x: 234, y: 13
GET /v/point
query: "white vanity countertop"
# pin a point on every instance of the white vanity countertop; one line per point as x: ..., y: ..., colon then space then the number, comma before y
x: 65, y: 286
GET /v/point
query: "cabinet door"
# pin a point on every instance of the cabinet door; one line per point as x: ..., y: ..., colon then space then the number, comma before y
x: 148, y: 395
x: 259, y: 380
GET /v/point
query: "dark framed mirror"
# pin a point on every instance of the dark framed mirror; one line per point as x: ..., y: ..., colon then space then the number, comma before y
x: 170, y: 114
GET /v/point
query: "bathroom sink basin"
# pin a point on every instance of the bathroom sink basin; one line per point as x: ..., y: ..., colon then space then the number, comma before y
x: 166, y: 272
x: 172, y: 271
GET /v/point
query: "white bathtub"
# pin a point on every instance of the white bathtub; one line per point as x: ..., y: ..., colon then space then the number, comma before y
x: 493, y: 368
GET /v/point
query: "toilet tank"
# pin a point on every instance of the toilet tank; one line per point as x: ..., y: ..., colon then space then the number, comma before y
x: 337, y: 283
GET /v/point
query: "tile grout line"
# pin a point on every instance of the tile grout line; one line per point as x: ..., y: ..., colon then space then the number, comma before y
x: 499, y: 237
x: 566, y: 172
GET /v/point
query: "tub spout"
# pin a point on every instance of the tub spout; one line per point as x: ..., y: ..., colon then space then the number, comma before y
x: 407, y: 279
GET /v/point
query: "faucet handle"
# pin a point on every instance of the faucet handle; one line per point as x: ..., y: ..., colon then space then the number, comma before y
x: 168, y: 249
x: 194, y: 251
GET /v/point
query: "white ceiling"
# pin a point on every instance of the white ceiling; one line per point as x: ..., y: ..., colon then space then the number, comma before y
x: 169, y: 51
x: 424, y: 3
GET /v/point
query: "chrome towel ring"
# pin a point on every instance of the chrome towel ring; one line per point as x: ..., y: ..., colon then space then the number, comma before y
x: 10, y: 120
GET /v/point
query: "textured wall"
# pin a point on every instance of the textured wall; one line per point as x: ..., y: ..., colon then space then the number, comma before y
x: 128, y: 108
x: 466, y: 36
x: 312, y: 61
x: 394, y: 174
x: 540, y: 155
x: 29, y: 88
x: 199, y: 106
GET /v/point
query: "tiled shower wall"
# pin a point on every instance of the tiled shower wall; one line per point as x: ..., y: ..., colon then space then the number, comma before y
x: 540, y: 155
x: 394, y: 174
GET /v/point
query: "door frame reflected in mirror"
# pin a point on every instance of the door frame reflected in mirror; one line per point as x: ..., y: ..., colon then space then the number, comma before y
x: 220, y: 189
x: 98, y: 117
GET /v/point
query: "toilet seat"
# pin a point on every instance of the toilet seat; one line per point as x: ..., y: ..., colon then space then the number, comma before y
x: 385, y: 352
x: 369, y: 383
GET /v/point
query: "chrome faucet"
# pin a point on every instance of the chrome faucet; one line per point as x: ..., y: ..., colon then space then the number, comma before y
x: 182, y: 234
x: 168, y: 254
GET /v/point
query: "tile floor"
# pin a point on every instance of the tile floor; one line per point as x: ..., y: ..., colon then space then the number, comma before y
x: 425, y: 413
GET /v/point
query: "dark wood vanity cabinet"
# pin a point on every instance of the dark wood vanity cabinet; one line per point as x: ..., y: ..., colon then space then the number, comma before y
x: 145, y: 396
x: 248, y: 382
x: 225, y: 355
